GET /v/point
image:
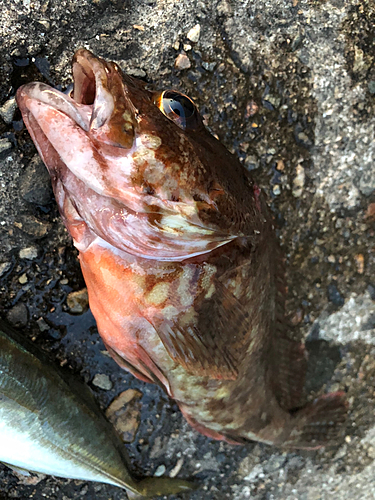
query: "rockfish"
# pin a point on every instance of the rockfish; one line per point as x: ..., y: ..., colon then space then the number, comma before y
x: 51, y: 424
x: 177, y: 247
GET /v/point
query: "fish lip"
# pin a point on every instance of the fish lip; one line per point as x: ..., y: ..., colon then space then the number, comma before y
x: 42, y: 92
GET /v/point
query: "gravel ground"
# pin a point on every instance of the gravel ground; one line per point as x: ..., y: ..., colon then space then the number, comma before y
x: 289, y: 86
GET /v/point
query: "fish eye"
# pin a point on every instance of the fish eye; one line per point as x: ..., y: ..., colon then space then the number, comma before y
x: 179, y: 108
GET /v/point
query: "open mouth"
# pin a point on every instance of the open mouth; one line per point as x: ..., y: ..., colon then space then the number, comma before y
x: 91, y: 82
x: 90, y: 105
x: 84, y: 90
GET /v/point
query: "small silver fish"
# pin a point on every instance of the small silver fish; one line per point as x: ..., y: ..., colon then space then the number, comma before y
x: 49, y: 425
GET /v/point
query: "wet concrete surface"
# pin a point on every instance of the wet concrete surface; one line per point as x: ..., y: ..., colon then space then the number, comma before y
x: 288, y: 86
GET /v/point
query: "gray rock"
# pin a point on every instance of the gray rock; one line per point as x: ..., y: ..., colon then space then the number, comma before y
x: 18, y: 315
x: 43, y: 325
x: 102, y: 381
x: 35, y: 183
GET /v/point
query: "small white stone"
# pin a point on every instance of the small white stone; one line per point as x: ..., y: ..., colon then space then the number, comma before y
x: 29, y: 253
x: 102, y: 381
x: 23, y: 279
x: 160, y: 471
x: 194, y: 33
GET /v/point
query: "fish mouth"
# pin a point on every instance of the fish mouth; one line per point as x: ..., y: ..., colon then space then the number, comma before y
x: 92, y: 102
x: 84, y: 91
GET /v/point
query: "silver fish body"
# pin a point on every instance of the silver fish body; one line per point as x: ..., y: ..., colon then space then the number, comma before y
x: 49, y: 425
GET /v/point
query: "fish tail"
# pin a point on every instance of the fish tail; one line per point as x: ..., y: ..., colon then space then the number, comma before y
x: 319, y: 423
x: 151, y: 487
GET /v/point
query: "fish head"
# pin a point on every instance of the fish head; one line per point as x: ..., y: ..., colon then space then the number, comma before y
x: 136, y: 167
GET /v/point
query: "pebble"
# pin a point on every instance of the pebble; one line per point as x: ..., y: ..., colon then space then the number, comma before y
x: 176, y: 469
x: 29, y: 253
x: 274, y: 100
x: 4, y: 267
x: 182, y: 62
x: 360, y: 262
x: 43, y: 326
x: 125, y: 414
x: 280, y: 166
x: 18, y: 315
x: 251, y: 162
x: 7, y: 110
x: 5, y: 144
x: 224, y: 7
x: 136, y: 72
x: 194, y: 33
x: 276, y: 190
x: 45, y: 24
x: 23, y: 279
x: 160, y: 470
x: 78, y: 302
x: 298, y: 181
x: 304, y: 139
x: 35, y: 185
x: 102, y: 381
x: 208, y: 66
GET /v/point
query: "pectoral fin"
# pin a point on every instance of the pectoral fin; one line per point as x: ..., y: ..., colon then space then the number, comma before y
x: 210, y: 340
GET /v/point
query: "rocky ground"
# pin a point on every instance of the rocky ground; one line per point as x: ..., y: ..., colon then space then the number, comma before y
x: 289, y: 86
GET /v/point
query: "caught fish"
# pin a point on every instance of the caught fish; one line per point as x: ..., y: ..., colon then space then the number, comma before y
x: 52, y: 425
x: 178, y: 251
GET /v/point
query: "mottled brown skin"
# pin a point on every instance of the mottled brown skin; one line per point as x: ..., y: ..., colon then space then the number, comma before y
x: 178, y: 251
